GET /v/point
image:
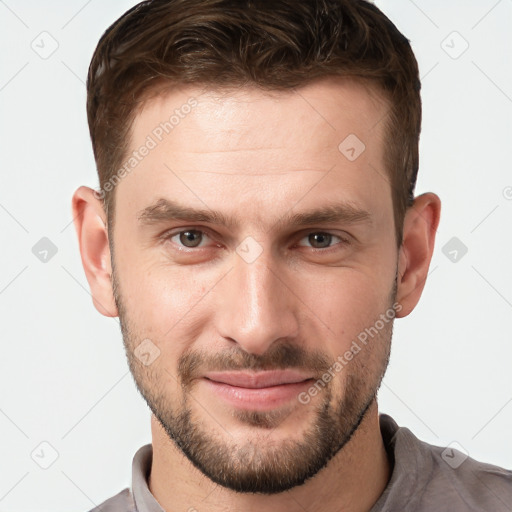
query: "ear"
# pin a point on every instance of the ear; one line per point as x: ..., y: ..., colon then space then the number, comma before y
x: 91, y: 228
x: 420, y: 226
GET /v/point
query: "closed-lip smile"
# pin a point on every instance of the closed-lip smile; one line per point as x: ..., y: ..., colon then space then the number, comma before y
x: 258, y: 380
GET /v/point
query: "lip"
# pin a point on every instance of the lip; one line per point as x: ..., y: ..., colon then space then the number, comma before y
x: 258, y: 380
x: 261, y: 391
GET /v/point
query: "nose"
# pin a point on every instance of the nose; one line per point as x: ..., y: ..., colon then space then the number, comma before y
x: 257, y: 306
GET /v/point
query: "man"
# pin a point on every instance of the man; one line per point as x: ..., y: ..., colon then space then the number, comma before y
x: 256, y: 232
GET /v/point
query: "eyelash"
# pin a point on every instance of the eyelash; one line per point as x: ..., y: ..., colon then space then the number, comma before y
x: 171, y: 234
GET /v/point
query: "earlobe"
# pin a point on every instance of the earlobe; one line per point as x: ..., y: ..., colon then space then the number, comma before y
x: 420, y: 226
x: 90, y: 224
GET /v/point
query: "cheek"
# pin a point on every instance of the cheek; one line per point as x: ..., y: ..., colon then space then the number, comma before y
x: 159, y: 293
x: 345, y: 304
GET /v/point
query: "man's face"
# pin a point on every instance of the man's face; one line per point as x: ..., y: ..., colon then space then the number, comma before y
x: 247, y: 317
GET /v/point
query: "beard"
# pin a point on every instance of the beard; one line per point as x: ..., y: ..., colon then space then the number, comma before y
x: 259, y: 464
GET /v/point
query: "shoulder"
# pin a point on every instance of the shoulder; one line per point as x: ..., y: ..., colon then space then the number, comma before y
x: 121, y: 502
x: 477, y: 485
x: 427, y: 477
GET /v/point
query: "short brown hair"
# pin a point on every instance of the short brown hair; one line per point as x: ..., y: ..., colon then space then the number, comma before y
x: 273, y: 44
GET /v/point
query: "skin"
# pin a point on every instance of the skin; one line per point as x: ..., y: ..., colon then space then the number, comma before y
x: 259, y: 157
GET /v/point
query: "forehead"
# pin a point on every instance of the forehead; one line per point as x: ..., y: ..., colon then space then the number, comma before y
x: 269, y: 148
x: 252, y: 118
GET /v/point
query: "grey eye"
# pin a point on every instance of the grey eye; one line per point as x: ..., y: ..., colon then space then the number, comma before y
x: 190, y: 238
x: 322, y: 239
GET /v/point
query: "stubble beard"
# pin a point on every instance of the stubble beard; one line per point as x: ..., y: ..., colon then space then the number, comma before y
x: 259, y: 464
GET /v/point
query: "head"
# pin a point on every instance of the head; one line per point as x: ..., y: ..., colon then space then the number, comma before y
x: 277, y: 46
x: 256, y: 213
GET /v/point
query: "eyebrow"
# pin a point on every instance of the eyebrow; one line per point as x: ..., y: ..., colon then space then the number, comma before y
x: 165, y: 210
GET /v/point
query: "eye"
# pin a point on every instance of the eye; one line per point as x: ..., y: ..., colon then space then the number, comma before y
x: 189, y: 238
x: 321, y: 240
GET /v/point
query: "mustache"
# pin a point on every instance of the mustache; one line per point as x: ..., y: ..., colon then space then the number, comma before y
x: 194, y: 364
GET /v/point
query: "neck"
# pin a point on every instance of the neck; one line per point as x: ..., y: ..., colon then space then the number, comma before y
x: 351, y: 482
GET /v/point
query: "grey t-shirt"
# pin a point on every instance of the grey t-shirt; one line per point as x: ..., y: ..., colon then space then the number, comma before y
x: 425, y: 478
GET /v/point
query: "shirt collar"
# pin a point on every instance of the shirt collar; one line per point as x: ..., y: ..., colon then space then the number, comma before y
x: 409, y: 458
x: 412, y: 467
x: 141, y: 467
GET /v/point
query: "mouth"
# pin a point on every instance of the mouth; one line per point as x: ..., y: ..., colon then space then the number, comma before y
x: 258, y: 380
x: 264, y: 390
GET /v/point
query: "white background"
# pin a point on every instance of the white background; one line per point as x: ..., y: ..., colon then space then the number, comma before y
x: 63, y: 372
